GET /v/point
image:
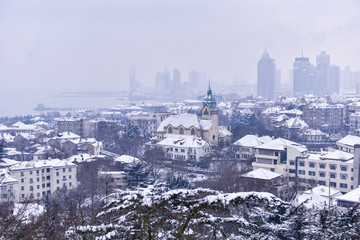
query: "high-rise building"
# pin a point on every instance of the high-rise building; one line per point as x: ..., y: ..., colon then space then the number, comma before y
x: 176, y: 85
x: 266, y: 76
x: 303, y: 76
x: 320, y: 80
x: 133, y: 83
x: 162, y: 82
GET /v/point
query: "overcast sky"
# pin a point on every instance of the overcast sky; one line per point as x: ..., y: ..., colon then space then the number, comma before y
x: 92, y: 44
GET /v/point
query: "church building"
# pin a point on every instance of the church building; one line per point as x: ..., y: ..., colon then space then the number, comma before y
x: 206, y: 126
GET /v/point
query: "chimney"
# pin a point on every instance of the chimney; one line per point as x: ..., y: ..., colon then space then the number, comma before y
x: 356, y: 165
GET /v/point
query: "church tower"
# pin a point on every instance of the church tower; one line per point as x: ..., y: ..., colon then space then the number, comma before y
x: 210, y: 112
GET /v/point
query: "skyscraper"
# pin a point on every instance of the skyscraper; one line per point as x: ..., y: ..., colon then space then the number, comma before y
x: 303, y: 76
x: 133, y: 83
x: 266, y: 76
x: 176, y: 86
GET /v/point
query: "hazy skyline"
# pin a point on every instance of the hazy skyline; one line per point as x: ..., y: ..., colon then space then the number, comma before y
x: 92, y: 44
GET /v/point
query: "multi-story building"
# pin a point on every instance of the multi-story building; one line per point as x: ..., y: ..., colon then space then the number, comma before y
x: 325, y: 116
x: 148, y: 123
x: 303, y: 76
x: 79, y: 126
x: 306, y: 170
x: 39, y: 179
x: 245, y: 146
x: 7, y: 186
x: 266, y: 77
x: 184, y: 147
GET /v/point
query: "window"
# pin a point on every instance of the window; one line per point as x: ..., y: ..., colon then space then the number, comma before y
x: 70, y: 184
x: 37, y: 171
x: 64, y: 185
x: 64, y: 169
x: 333, y: 167
x: 275, y: 162
x: 302, y: 164
x: 22, y: 174
x: 343, y: 185
x: 276, y: 153
x: 322, y: 174
x: 38, y: 195
x: 322, y: 165
x: 311, y: 173
x: 283, y: 157
x: 272, y: 169
x: 48, y: 170
x: 332, y: 175
x: 343, y: 176
x: 43, y: 170
x: 70, y: 177
x: 57, y: 173
x: 31, y: 172
x: 47, y: 177
x: 31, y: 188
x: 292, y: 163
x: 38, y: 187
x: 48, y: 184
x: 192, y: 131
x: 312, y: 165
x: 22, y: 188
x: 170, y: 130
x: 22, y: 180
x: 302, y: 172
x: 71, y: 168
x: 181, y: 131
x: 43, y: 185
x: 343, y: 168
x: 322, y: 183
x: 182, y: 150
x: 38, y: 179
x: 332, y: 184
x: 58, y: 181
x: 292, y: 171
x: 31, y: 180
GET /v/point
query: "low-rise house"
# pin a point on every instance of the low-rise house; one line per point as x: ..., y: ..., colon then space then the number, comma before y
x: 225, y: 136
x: 183, y: 147
x: 350, y: 199
x: 347, y: 143
x: 113, y: 179
x: 319, y: 197
x: 262, y: 180
x: 245, y: 146
x: 312, y: 135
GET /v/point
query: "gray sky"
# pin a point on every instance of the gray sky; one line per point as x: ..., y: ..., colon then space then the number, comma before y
x: 92, y: 44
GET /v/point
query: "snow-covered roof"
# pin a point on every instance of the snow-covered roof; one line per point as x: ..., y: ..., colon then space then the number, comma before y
x: 85, y: 157
x: 5, y: 177
x: 338, y: 155
x: 349, y: 140
x: 261, y: 173
x: 41, y: 164
x: 295, y: 123
x: 185, y: 141
x: 280, y: 144
x: 3, y: 127
x: 21, y: 125
x: 252, y: 140
x: 127, y: 159
x: 352, y: 196
x: 5, y: 162
x: 186, y: 120
x: 68, y: 135
x: 223, y: 132
x: 318, y: 196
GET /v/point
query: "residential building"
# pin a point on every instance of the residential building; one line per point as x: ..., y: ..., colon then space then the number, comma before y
x: 113, y: 179
x: 325, y: 116
x: 39, y: 179
x: 79, y: 126
x: 184, y: 147
x: 245, y: 146
x: 8, y: 186
x: 347, y: 143
x: 266, y: 76
x: 350, y: 199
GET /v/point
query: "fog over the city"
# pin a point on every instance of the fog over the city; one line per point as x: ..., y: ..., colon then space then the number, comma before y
x: 82, y: 45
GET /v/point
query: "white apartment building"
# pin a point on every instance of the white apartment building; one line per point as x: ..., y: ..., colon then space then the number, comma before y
x: 333, y: 169
x: 184, y: 147
x: 39, y: 179
x: 7, y: 185
x: 245, y: 146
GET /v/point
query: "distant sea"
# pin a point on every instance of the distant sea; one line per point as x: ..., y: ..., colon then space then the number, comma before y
x: 21, y: 102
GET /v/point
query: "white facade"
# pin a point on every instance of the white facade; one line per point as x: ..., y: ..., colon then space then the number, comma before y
x: 293, y: 161
x: 7, y: 186
x: 38, y: 179
x: 183, y: 147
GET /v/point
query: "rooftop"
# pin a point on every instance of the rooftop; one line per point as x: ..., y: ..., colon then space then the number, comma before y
x: 261, y: 173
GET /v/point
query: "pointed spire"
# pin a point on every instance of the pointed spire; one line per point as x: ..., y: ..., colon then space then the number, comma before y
x: 209, y: 84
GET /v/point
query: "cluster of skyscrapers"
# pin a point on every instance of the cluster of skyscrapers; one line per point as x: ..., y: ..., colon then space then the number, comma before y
x: 320, y: 79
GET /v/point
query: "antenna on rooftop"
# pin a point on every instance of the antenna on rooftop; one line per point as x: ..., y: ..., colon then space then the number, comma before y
x: 302, y: 55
